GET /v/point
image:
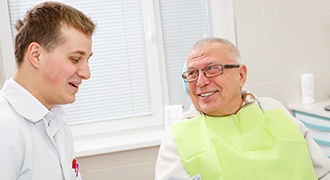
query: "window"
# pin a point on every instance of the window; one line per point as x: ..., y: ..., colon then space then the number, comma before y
x: 183, y: 22
x: 139, y: 48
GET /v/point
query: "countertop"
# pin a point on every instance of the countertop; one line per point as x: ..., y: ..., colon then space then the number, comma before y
x: 316, y: 108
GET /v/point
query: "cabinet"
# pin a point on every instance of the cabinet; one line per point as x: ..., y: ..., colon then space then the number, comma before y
x: 317, y: 120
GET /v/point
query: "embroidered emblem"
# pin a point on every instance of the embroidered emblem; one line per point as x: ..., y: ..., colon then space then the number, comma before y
x: 75, y: 166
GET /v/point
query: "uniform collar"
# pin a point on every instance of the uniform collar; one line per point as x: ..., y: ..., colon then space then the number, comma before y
x: 23, y: 101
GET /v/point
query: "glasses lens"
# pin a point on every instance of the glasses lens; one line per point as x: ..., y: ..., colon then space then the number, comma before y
x: 191, y: 75
x: 212, y: 71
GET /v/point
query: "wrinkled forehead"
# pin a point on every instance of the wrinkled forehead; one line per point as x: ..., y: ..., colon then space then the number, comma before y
x: 210, y: 53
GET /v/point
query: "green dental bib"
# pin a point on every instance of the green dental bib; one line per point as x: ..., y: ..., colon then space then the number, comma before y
x: 250, y: 145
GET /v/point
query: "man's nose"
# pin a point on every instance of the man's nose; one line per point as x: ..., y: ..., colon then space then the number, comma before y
x: 84, y: 71
x: 202, y: 80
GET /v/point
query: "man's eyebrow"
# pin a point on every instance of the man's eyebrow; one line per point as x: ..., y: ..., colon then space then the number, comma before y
x: 78, y: 52
x: 81, y: 52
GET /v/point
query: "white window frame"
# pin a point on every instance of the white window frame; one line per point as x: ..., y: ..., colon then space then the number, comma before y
x: 7, y: 68
x: 111, y: 136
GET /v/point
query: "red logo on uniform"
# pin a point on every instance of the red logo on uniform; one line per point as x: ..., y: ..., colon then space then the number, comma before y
x: 75, y: 166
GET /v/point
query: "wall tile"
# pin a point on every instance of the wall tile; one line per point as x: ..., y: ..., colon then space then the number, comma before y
x: 259, y: 89
x: 250, y: 36
x: 297, y: 31
x: 294, y: 37
x: 322, y: 87
x: 83, y: 163
x: 248, y: 10
x: 291, y: 63
x: 84, y: 175
x: 124, y: 165
x: 256, y: 67
x: 286, y: 92
x: 122, y: 158
x: 281, y: 8
x: 139, y: 171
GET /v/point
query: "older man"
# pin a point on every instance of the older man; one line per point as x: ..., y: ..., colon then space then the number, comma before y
x: 235, y: 136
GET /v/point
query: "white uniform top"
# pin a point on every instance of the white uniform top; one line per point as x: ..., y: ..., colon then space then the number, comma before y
x: 35, y: 143
x: 169, y: 164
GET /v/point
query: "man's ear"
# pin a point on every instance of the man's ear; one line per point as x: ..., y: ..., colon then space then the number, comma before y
x: 33, y: 54
x: 243, y: 74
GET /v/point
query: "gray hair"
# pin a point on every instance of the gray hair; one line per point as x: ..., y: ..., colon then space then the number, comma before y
x: 234, y: 52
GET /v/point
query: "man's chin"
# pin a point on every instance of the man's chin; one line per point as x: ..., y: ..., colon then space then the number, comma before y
x: 205, y: 110
x: 70, y: 100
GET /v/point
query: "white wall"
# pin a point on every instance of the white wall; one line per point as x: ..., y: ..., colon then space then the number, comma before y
x: 279, y: 41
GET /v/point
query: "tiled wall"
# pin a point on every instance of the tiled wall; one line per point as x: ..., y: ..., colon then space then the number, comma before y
x: 282, y: 39
x: 136, y: 164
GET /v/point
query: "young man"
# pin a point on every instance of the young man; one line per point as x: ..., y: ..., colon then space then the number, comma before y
x: 233, y: 135
x: 52, y: 47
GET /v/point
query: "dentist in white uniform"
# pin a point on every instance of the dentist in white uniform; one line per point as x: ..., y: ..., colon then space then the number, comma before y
x: 52, y: 47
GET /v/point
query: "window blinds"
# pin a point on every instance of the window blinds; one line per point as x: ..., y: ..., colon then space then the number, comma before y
x: 119, y: 86
x: 183, y: 23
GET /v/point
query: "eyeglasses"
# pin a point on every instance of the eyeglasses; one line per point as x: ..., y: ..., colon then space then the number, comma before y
x: 210, y: 71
